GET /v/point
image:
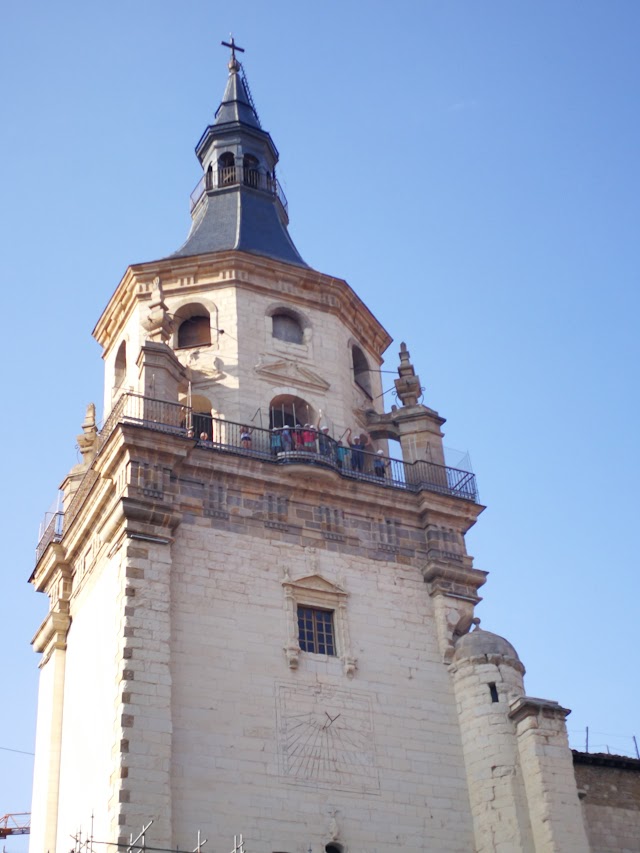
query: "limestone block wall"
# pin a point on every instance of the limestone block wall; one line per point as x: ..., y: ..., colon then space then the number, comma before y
x: 87, y: 763
x: 609, y: 787
x: 327, y: 355
x: 250, y: 750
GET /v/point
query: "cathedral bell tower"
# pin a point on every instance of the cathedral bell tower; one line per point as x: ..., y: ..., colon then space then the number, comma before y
x: 260, y: 593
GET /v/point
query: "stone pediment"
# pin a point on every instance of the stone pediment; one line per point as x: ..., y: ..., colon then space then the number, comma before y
x: 315, y: 583
x: 286, y: 372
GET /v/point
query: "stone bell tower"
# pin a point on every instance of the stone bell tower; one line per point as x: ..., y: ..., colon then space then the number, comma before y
x: 260, y: 592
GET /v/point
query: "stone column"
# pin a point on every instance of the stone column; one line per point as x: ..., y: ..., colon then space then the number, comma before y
x: 53, y: 577
x: 141, y: 785
x: 547, y: 767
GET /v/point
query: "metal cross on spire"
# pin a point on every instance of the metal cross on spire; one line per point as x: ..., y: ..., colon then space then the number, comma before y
x: 232, y: 44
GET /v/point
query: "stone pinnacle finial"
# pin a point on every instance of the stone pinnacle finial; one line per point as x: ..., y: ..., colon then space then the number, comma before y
x: 88, y: 439
x: 408, y: 385
x: 158, y: 323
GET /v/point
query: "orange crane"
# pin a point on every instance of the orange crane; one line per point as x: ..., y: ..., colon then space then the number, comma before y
x: 15, y: 824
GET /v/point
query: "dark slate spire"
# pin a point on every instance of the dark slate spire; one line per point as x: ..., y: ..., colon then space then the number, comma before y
x: 236, y: 103
x: 238, y: 203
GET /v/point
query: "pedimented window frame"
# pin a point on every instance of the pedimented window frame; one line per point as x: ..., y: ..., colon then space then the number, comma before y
x: 318, y: 592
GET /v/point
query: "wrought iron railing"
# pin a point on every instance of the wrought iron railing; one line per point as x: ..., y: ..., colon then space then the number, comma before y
x: 51, y: 531
x: 290, y: 446
x: 229, y: 176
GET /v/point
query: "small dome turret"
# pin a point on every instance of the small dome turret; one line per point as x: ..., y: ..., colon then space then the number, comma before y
x: 484, y: 644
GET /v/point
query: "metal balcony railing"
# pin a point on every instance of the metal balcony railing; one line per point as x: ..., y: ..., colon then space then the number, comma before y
x: 50, y: 531
x: 229, y: 176
x: 289, y: 447
x: 295, y: 446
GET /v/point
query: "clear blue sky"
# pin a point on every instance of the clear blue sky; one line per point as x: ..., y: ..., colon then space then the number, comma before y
x: 471, y: 169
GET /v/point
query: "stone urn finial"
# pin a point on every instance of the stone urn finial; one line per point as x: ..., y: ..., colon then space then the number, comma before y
x: 158, y: 323
x: 88, y: 439
x: 408, y: 385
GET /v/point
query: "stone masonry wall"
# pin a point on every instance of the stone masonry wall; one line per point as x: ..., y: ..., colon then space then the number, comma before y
x: 610, y: 801
x: 89, y: 715
x: 250, y: 750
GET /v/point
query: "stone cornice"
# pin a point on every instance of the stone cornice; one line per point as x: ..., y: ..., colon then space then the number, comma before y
x: 53, y: 561
x: 454, y: 580
x: 194, y: 274
x: 530, y: 706
x: 52, y: 634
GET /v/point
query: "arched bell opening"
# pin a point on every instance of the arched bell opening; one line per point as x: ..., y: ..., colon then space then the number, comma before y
x: 193, y: 326
x: 287, y: 327
x: 226, y: 169
x: 200, y: 414
x: 120, y: 367
x: 195, y: 332
x: 250, y: 170
x: 361, y: 371
x: 291, y: 411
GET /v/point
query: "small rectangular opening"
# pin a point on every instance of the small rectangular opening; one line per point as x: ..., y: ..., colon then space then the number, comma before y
x: 493, y: 690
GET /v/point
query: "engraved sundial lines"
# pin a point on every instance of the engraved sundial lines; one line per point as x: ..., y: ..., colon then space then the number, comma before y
x: 326, y: 737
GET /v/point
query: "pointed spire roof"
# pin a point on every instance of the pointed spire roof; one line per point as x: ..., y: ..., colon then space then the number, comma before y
x: 238, y: 203
x: 236, y: 102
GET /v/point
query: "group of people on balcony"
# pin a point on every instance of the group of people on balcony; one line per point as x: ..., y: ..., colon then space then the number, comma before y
x: 352, y: 452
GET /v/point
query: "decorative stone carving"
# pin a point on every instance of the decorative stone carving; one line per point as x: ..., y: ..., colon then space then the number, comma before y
x: 158, y: 324
x: 286, y: 372
x: 408, y: 385
x: 88, y: 439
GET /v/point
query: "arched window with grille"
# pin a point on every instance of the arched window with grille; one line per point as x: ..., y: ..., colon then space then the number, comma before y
x: 286, y: 410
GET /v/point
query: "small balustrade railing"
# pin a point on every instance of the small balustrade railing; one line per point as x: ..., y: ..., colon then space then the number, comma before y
x: 229, y: 176
x: 283, y: 447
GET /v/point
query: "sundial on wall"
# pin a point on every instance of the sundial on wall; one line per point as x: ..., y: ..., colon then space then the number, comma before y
x: 326, y: 737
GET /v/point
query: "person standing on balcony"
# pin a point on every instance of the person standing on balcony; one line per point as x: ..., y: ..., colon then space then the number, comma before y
x: 342, y: 454
x: 287, y: 439
x: 276, y: 441
x: 298, y: 441
x: 324, y: 440
x: 245, y: 437
x: 309, y: 438
x: 380, y: 464
x: 357, y: 451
